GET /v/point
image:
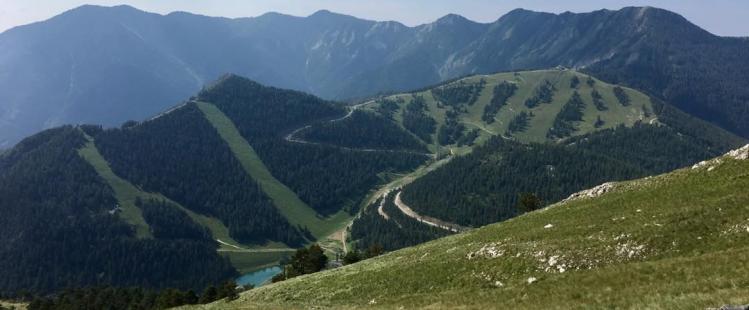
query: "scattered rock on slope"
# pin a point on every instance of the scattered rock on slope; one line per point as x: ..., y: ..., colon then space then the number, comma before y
x: 591, y: 193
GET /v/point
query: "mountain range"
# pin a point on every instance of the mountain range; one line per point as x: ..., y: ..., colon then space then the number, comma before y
x: 242, y: 174
x: 461, y: 151
x: 107, y: 65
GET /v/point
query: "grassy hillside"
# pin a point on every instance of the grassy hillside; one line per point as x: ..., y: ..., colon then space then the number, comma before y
x: 243, y: 257
x: 678, y: 240
x: 125, y: 192
x: 287, y: 202
x: 541, y: 116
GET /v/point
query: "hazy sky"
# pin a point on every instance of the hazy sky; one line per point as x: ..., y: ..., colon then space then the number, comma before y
x: 723, y: 17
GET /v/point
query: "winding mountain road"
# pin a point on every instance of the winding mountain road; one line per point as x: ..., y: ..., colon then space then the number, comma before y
x: 291, y: 137
x: 382, y: 205
x: 385, y: 190
x: 426, y: 219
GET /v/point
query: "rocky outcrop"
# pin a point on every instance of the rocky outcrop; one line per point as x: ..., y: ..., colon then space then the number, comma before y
x: 738, y: 154
x: 592, y: 193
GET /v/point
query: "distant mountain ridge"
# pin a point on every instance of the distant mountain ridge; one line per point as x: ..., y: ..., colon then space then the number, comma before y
x: 110, y: 64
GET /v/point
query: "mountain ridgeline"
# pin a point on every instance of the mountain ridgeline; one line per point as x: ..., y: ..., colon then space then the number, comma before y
x: 482, y: 135
x: 182, y: 200
x: 242, y: 173
x: 548, y: 133
x: 153, y: 61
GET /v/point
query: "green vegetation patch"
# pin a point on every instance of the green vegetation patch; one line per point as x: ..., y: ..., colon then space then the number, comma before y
x: 501, y: 93
x: 242, y: 257
x: 125, y: 192
x: 458, y: 93
x: 565, y: 122
x: 416, y: 119
x: 504, y: 96
x: 287, y: 202
x: 679, y: 240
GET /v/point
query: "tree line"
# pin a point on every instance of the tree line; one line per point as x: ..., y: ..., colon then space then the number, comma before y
x: 58, y: 229
x: 182, y: 156
x: 327, y: 178
x: 484, y: 186
x: 364, y: 130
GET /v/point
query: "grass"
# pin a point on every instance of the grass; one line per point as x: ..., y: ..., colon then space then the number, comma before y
x: 288, y: 203
x: 126, y: 193
x: 678, y: 240
x: 544, y: 114
x: 13, y: 305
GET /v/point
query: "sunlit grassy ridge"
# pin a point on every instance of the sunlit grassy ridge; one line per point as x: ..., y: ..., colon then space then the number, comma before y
x: 678, y: 240
x: 639, y: 109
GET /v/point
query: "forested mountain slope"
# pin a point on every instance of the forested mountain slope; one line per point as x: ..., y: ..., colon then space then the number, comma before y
x: 186, y: 189
x: 327, y: 177
x: 484, y: 186
x: 634, y: 244
x: 529, y: 106
x: 181, y: 156
x: 60, y: 227
x: 153, y: 61
x: 249, y: 172
x: 545, y: 133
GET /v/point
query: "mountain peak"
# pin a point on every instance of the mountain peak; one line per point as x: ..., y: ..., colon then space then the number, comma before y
x: 323, y: 12
x: 452, y: 19
x: 229, y: 78
x: 327, y: 15
x: 88, y: 12
x: 91, y: 8
x: 329, y: 18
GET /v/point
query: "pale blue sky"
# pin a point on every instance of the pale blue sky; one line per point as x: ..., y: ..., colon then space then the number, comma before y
x: 723, y: 17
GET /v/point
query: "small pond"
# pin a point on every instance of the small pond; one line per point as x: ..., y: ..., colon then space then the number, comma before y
x: 259, y: 277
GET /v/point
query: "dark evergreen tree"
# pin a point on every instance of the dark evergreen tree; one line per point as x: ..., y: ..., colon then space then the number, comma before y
x: 363, y: 130
x: 621, y: 96
x: 544, y: 93
x: 528, y: 202
x: 590, y: 81
x: 502, y: 92
x: 304, y: 261
x: 574, y: 82
x: 458, y: 93
x: 417, y: 121
x: 452, y: 130
x: 598, y: 101
x: 519, y: 123
x: 564, y: 123
x: 599, y: 122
